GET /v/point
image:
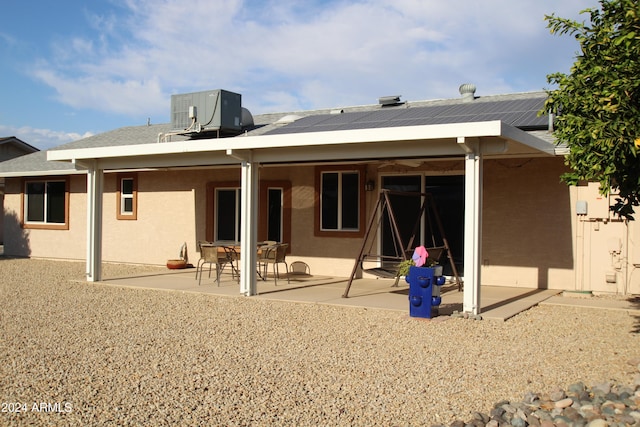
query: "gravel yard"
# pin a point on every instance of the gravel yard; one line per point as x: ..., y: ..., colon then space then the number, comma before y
x: 76, y: 353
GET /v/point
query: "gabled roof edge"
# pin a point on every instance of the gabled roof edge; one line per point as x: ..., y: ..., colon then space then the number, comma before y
x: 42, y: 173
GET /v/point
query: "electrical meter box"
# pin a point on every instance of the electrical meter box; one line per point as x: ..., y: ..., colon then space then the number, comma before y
x: 207, y: 111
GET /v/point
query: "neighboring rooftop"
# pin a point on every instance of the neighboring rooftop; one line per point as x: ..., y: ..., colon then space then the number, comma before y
x: 11, y: 147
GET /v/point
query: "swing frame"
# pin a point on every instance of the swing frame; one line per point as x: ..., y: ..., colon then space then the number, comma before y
x: 402, y: 252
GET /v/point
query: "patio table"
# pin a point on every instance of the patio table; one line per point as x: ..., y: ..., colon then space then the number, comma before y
x: 232, y: 251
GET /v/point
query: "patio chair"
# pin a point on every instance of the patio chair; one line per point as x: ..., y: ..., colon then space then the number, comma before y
x: 300, y: 268
x: 274, y: 255
x: 232, y: 256
x: 213, y: 255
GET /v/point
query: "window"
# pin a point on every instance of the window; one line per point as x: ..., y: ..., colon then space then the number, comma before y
x: 274, y: 214
x: 227, y: 209
x: 46, y: 204
x: 127, y: 197
x: 341, y: 202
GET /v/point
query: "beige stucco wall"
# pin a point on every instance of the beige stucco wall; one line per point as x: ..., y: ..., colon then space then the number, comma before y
x: 165, y: 218
x: 607, y: 248
x: 527, y: 224
x: 63, y: 244
x: 1, y: 212
x: 171, y: 211
x: 631, y: 253
x: 327, y: 256
x: 532, y: 236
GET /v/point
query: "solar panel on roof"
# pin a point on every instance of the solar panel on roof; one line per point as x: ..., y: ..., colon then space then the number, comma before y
x: 519, y: 113
x: 309, y: 120
x: 531, y: 122
x: 375, y: 116
x: 350, y: 117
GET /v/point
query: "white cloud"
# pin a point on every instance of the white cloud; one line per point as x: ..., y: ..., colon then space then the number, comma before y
x: 8, y: 39
x: 104, y: 93
x: 282, y: 56
x: 41, y: 138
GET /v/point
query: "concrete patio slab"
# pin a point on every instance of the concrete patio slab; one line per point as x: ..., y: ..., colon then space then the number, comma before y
x: 629, y: 303
x: 498, y: 303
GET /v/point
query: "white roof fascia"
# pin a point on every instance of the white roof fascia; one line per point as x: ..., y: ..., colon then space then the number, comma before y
x: 491, y: 128
x: 202, y: 159
x: 523, y: 137
x: 319, y: 142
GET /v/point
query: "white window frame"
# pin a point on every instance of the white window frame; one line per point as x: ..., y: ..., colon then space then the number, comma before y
x: 123, y: 197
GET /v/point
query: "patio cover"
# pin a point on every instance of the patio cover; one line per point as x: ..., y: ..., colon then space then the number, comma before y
x: 474, y: 141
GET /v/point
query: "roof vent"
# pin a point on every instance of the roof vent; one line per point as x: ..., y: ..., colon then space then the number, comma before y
x: 390, y: 100
x: 468, y: 91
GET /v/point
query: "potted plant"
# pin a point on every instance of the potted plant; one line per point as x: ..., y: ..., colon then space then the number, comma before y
x: 404, y: 266
x: 176, y: 264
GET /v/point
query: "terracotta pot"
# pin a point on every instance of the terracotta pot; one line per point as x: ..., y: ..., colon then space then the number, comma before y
x: 174, y: 264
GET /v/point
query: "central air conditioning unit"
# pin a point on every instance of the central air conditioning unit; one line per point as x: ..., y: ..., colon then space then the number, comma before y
x: 208, y: 111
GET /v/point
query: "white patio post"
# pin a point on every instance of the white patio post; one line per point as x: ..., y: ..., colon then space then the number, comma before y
x: 248, y: 227
x: 95, y: 189
x: 472, y: 224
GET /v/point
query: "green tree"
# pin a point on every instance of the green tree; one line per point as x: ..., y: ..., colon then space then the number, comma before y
x: 598, y: 103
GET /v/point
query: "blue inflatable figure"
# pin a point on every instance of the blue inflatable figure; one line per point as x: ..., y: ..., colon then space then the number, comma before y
x: 422, y: 280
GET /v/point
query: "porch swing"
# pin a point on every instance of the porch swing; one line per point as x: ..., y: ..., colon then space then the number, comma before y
x: 389, y: 265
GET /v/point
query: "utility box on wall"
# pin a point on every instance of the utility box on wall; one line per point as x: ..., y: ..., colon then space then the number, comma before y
x: 212, y: 110
x: 582, y: 207
x: 598, y: 204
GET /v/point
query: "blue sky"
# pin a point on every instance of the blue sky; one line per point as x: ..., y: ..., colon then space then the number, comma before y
x: 74, y: 68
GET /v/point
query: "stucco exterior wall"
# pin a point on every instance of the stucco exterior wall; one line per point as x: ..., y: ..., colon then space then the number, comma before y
x: 166, y: 218
x: 2, y: 214
x: 62, y: 244
x: 607, y: 248
x: 166, y: 206
x: 527, y: 224
x: 326, y: 256
x: 9, y: 149
x: 631, y: 253
x: 532, y: 235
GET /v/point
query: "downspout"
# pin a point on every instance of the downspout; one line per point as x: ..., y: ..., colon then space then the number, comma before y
x: 626, y: 263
